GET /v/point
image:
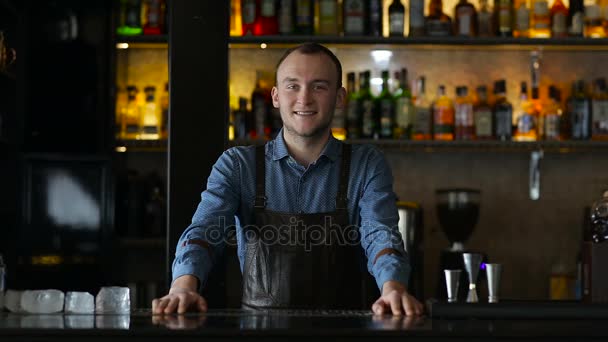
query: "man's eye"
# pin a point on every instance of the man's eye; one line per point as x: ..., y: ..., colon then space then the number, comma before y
x: 320, y: 87
x: 292, y: 86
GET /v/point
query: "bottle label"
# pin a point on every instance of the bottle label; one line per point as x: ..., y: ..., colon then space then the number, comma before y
x: 386, y: 116
x: 422, y: 123
x: 464, y: 27
x: 525, y: 123
x: 368, y: 118
x: 354, y: 17
x: 248, y: 12
x: 599, y: 116
x: 541, y: 8
x: 417, y: 13
x: 403, y: 114
x: 503, y: 124
x: 396, y: 23
x: 443, y: 119
x: 504, y: 19
x: 522, y: 21
x: 559, y: 23
x: 577, y: 23
x: 552, y: 126
x: 579, y: 116
x: 268, y: 8
x: 327, y: 9
x: 464, y: 115
x: 483, y: 123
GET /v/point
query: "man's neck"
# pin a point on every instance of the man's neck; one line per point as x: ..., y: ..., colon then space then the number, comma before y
x: 305, y: 150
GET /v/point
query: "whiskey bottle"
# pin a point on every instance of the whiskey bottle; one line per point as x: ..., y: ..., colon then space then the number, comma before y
x: 540, y: 25
x: 522, y: 19
x: 423, y: 121
x: 374, y: 19
x: 503, y: 17
x: 593, y: 22
x: 416, y: 18
x: 503, y: 112
x: 367, y: 112
x: 153, y: 17
x: 464, y: 125
x: 576, y: 15
x: 465, y: 19
x: 559, y: 17
x: 404, y: 121
x: 599, y: 111
x: 485, y: 22
x: 267, y: 22
x: 304, y: 23
x: 437, y: 22
x: 482, y: 114
x: 150, y: 115
x: 396, y: 19
x: 236, y: 19
x: 552, y: 116
x: 526, y: 117
x: 443, y: 116
x: 327, y: 14
x: 249, y: 13
x: 385, y: 107
x: 353, y: 118
x: 130, y: 115
x: 579, y: 112
x: 286, y: 14
x: 355, y: 13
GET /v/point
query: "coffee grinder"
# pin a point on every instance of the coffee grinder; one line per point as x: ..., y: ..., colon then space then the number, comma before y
x: 458, y: 212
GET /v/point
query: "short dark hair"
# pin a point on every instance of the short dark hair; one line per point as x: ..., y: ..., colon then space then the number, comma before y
x: 310, y: 49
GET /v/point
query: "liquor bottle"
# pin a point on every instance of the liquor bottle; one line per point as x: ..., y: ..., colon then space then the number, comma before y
x: 249, y: 16
x: 576, y: 15
x: 559, y: 17
x: 121, y: 103
x: 579, y: 112
x: 443, y: 116
x: 464, y: 124
x: 150, y: 115
x: 286, y: 14
x: 369, y: 120
x: 503, y: 112
x: 522, y: 19
x: 540, y: 23
x: 129, y: 18
x: 164, y: 112
x: 465, y: 19
x: 437, y: 22
x: 153, y: 18
x: 599, y: 110
x: 485, y: 22
x: 482, y: 115
x: 404, y: 111
x: 327, y: 14
x: 503, y: 17
x: 304, y: 16
x: 353, y: 118
x: 267, y: 22
x: 130, y: 115
x: 396, y: 19
x: 355, y: 13
x: 236, y: 21
x: 593, y: 23
x: 552, y: 116
x: 260, y: 108
x: 416, y: 17
x: 385, y: 108
x: 374, y: 19
x: 525, y: 118
x: 423, y: 120
x: 339, y: 124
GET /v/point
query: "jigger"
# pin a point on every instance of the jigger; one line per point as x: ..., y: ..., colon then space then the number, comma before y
x: 472, y: 261
x: 493, y: 271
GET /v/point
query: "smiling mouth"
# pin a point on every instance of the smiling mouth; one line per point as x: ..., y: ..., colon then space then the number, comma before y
x: 305, y: 113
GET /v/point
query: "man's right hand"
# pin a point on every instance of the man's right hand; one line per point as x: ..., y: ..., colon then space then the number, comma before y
x: 182, y: 297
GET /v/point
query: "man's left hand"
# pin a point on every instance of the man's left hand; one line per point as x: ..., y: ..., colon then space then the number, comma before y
x: 396, y: 299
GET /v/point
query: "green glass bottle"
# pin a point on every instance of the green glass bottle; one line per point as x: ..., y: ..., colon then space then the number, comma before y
x: 369, y: 124
x: 404, y: 120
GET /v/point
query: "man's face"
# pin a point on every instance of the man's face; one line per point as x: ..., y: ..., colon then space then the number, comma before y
x: 307, y: 94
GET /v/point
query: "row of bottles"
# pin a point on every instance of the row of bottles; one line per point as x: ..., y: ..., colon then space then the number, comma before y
x: 401, y: 113
x: 139, y: 115
x: 518, y: 18
x: 136, y: 17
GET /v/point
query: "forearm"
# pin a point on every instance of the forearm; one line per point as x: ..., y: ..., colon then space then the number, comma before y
x: 187, y: 282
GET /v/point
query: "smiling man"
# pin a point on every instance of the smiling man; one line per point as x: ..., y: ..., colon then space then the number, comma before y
x: 311, y: 210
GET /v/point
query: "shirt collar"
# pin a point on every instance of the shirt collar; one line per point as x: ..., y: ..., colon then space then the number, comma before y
x: 331, y: 150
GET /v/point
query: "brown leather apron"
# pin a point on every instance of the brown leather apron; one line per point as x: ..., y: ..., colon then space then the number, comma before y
x: 303, y: 260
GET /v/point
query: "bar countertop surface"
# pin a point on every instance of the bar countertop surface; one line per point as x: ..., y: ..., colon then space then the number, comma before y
x: 486, y: 323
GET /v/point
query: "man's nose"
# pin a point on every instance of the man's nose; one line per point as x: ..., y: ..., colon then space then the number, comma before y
x: 304, y: 96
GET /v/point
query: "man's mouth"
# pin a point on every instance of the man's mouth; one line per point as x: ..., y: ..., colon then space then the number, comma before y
x: 305, y: 113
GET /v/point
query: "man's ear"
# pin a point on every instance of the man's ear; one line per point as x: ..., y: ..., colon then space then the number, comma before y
x: 274, y: 93
x: 341, y: 98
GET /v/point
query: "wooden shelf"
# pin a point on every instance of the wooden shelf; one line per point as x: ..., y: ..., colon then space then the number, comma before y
x: 570, y: 146
x: 157, y: 38
x: 568, y: 43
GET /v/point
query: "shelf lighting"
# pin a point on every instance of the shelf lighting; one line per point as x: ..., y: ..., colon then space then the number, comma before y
x: 121, y: 149
x: 381, y: 56
x: 122, y: 46
x: 263, y: 46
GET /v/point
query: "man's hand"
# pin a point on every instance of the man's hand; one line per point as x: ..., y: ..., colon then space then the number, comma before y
x: 182, y: 297
x: 396, y: 299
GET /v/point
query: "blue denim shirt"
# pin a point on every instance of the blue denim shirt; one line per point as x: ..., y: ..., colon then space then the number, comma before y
x: 290, y: 187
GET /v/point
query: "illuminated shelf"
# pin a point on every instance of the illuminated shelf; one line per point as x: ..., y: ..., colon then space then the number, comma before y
x: 569, y: 146
x: 141, y: 145
x: 569, y: 43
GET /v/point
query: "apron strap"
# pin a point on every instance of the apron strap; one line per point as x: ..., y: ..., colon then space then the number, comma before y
x: 341, y: 197
x: 260, y: 179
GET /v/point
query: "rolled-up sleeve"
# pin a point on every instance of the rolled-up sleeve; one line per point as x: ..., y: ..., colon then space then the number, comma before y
x: 380, y: 236
x: 204, y: 239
